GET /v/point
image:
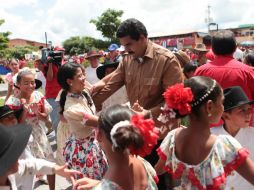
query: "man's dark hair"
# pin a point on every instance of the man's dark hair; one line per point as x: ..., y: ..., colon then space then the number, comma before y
x: 131, y: 27
x: 224, y: 43
x: 207, y: 40
x: 249, y: 59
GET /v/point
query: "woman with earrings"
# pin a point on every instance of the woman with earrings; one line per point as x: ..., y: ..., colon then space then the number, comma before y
x: 82, y: 151
x: 194, y: 157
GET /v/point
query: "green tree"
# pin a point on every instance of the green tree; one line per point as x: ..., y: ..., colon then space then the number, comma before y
x: 108, y: 23
x: 18, y: 52
x: 3, y: 40
x: 79, y: 45
x: 73, y: 45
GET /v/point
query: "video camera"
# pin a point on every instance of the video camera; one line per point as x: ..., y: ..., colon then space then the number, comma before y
x: 49, y: 55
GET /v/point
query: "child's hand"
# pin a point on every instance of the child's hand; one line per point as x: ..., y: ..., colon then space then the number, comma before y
x: 25, y: 105
x: 65, y: 172
x: 42, y: 116
x: 34, y: 108
x: 137, y: 107
x: 85, y: 183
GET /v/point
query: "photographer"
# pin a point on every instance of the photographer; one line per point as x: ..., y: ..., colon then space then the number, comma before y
x: 51, y: 67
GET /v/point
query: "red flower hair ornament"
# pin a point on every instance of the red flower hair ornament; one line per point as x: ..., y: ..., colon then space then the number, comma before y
x: 147, y: 130
x: 177, y: 97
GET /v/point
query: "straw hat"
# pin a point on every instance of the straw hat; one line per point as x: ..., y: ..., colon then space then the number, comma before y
x: 182, y: 57
x: 92, y: 53
x: 200, y: 47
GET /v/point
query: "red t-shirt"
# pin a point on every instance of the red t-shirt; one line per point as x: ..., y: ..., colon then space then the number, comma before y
x: 229, y: 72
x: 52, y: 86
x: 210, y: 55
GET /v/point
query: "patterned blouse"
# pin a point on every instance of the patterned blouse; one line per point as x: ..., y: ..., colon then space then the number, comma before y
x: 225, y: 156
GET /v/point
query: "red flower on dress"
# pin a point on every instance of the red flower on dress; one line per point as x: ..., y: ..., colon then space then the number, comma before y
x: 81, y: 165
x: 89, y: 163
x: 149, y: 133
x: 76, y: 150
x: 179, y: 98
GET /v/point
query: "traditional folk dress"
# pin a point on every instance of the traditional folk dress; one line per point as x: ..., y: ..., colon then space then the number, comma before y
x: 82, y: 151
x: 225, y: 156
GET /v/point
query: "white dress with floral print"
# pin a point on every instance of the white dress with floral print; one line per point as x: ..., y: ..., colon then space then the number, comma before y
x: 40, y: 146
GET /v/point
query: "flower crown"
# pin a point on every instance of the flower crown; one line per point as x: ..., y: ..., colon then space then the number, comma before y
x: 147, y: 130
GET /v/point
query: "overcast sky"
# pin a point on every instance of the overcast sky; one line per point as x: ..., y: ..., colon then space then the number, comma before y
x: 61, y: 19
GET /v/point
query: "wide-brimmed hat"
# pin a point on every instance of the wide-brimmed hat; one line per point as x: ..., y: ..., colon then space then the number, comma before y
x: 6, y: 110
x: 200, y: 47
x: 13, y: 140
x: 92, y: 53
x: 182, y: 57
x: 235, y: 97
x: 100, y: 71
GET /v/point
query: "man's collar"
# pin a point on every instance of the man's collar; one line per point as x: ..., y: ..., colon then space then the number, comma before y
x: 149, y: 50
x: 148, y: 53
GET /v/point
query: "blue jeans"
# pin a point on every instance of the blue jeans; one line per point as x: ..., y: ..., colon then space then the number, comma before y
x: 54, y: 115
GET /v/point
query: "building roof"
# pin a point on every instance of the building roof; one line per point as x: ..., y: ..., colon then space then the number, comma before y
x: 246, y: 26
x: 26, y: 40
x: 175, y: 33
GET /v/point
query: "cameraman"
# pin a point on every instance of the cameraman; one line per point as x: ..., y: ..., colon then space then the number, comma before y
x: 52, y: 87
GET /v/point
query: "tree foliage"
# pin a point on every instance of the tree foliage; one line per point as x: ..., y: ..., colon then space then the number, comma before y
x: 108, y: 23
x: 79, y: 45
x: 18, y: 52
x: 3, y: 39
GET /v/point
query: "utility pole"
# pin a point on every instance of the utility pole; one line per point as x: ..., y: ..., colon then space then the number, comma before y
x: 208, y: 19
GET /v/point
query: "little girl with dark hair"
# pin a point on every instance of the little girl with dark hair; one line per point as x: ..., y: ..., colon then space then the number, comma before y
x: 194, y: 157
x: 82, y: 151
x: 124, y: 137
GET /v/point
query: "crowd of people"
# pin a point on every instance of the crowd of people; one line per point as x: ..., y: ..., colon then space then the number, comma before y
x: 146, y: 118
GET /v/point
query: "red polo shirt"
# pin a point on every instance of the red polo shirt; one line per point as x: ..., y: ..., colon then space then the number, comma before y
x: 210, y: 55
x: 229, y: 72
